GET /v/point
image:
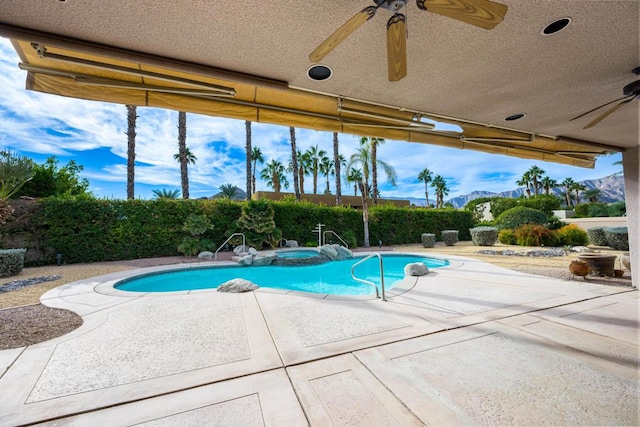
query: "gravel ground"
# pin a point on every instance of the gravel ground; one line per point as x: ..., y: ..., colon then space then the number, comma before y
x: 23, y: 321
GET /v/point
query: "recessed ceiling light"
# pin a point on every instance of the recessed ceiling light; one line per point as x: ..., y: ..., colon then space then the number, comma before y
x: 556, y: 26
x: 319, y: 72
x: 514, y: 117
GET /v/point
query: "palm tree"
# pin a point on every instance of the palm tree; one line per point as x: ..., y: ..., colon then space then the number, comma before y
x: 228, y: 191
x: 354, y: 177
x: 535, y: 174
x: 294, y: 163
x: 304, y: 165
x: 548, y: 184
x: 593, y: 194
x: 131, y: 149
x: 362, y: 157
x: 525, y: 181
x: 577, y: 187
x: 568, y: 184
x: 184, y: 156
x: 442, y: 190
x: 315, y: 158
x: 373, y: 143
x: 273, y: 173
x: 247, y: 150
x: 327, y: 169
x: 426, y: 176
x: 165, y: 194
x: 337, y: 159
x: 256, y: 157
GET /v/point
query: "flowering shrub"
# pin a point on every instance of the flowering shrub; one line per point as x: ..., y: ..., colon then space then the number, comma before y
x: 572, y: 235
x: 535, y: 235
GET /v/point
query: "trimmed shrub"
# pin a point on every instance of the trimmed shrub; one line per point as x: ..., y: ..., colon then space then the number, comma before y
x: 617, y: 238
x: 597, y: 236
x: 543, y: 202
x: 507, y: 237
x: 11, y: 261
x: 428, y: 240
x: 617, y: 209
x: 572, y: 235
x: 520, y: 215
x: 534, y: 235
x: 449, y: 237
x: 554, y: 223
x: 484, y: 236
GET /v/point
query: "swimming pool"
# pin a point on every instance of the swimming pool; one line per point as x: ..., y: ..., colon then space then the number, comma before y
x: 330, y: 278
x: 297, y: 253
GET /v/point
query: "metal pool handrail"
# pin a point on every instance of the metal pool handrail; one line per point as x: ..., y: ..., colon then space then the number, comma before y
x: 324, y: 238
x: 375, y: 254
x: 227, y: 241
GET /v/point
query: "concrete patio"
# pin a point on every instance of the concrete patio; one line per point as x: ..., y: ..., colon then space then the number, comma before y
x: 471, y: 343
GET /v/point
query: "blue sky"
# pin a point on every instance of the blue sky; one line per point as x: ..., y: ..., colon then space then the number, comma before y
x: 93, y: 134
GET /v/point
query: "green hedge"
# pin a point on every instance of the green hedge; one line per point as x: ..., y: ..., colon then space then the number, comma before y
x: 397, y: 226
x: 89, y: 230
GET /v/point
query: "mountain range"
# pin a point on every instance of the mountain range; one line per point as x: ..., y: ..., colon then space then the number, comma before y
x: 611, y: 187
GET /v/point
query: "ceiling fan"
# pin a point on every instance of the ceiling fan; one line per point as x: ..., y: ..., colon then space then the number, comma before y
x: 629, y: 92
x: 481, y: 13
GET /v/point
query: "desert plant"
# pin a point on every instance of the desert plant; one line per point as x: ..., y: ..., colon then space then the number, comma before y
x: 617, y: 209
x: 554, y: 223
x: 190, y: 246
x: 617, y: 238
x: 449, y: 237
x: 484, y: 236
x: 572, y: 235
x: 197, y: 225
x: 597, y: 236
x: 11, y: 261
x: 534, y: 235
x: 520, y: 215
x: 507, y: 236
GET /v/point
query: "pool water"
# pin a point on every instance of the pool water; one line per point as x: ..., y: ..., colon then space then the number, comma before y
x: 330, y: 278
x: 297, y: 254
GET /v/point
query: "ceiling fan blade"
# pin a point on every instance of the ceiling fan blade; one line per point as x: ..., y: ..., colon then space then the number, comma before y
x: 481, y: 13
x: 397, y: 47
x: 607, y: 113
x: 342, y: 33
x: 599, y: 107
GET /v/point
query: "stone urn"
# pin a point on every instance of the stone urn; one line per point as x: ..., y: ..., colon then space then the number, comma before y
x: 579, y: 268
x: 428, y: 240
x: 600, y: 265
x: 625, y: 260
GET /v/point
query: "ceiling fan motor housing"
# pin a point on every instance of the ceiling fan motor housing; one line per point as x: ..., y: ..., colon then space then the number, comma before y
x: 392, y: 5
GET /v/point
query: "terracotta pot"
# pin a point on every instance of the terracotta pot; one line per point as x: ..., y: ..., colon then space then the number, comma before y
x: 579, y: 268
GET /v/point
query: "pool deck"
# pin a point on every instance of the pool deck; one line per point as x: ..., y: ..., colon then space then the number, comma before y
x: 468, y: 344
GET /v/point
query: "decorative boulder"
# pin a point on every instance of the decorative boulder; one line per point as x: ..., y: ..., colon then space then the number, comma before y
x: 415, y: 269
x: 205, y: 255
x: 259, y: 261
x: 329, y: 251
x: 246, y: 260
x: 241, y: 249
x: 343, y: 253
x: 237, y: 285
x: 291, y: 244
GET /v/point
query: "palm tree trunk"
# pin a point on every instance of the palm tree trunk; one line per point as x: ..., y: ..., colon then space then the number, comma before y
x: 426, y: 193
x: 374, y: 169
x: 253, y: 176
x: 315, y: 176
x: 365, y: 212
x: 131, y: 149
x: 567, y: 196
x: 294, y: 162
x: 182, y: 151
x: 301, y: 180
x: 247, y: 125
x: 336, y: 160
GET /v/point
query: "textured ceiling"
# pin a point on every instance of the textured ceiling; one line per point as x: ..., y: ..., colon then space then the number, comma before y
x: 454, y: 69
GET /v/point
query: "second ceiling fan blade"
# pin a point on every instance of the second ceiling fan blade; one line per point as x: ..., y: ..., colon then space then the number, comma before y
x: 481, y: 13
x: 342, y: 33
x: 607, y: 113
x: 397, y: 47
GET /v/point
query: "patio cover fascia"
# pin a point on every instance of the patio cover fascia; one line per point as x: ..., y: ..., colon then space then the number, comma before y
x: 79, y: 69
